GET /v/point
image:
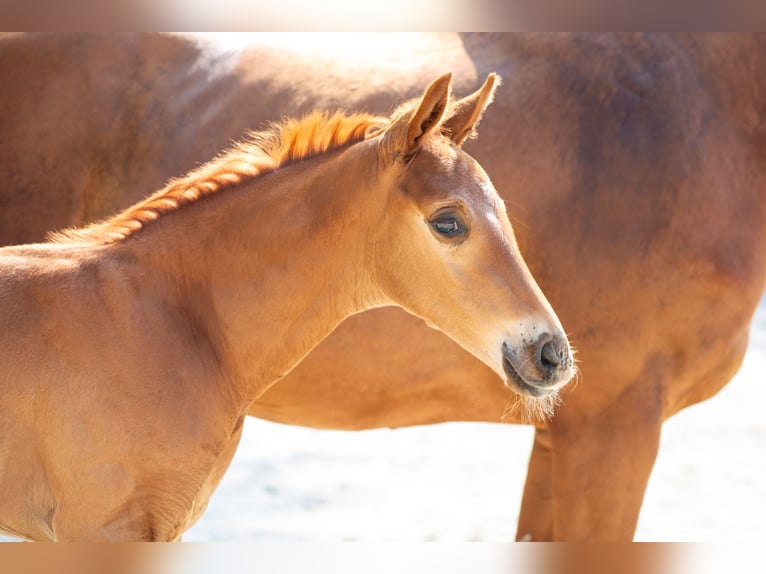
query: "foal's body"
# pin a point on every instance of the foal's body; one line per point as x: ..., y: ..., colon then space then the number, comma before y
x: 128, y: 367
x: 122, y: 385
x: 129, y: 346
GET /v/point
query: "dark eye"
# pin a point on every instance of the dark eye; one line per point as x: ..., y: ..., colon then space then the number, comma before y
x: 448, y: 225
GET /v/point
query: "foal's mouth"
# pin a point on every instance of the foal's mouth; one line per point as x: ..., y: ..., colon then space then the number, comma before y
x: 517, y: 383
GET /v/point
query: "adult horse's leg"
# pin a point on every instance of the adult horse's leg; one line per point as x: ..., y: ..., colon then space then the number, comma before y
x: 587, y: 475
x: 600, y: 448
x: 601, y: 468
x: 536, y: 515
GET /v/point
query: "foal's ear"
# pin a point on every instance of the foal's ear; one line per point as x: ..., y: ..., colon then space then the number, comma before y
x: 468, y: 111
x: 410, y: 129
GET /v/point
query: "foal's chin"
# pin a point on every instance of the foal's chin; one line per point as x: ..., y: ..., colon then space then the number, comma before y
x: 530, y: 403
x: 534, y: 402
x: 529, y: 409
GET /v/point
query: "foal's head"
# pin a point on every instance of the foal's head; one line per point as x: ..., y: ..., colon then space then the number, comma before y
x: 446, y: 250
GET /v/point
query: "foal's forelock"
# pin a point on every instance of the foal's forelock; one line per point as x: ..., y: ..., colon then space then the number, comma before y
x: 262, y: 152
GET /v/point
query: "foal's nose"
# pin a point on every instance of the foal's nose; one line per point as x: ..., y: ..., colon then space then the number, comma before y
x: 552, y: 354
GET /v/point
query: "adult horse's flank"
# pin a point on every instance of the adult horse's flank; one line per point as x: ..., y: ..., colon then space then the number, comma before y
x: 131, y: 349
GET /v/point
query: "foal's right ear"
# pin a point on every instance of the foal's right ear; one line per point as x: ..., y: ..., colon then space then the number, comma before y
x: 409, y: 130
x: 467, y: 112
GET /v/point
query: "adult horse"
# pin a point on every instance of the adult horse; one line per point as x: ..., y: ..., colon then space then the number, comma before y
x: 132, y: 348
x: 632, y: 165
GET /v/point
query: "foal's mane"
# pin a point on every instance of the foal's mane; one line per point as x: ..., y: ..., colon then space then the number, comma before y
x: 261, y: 152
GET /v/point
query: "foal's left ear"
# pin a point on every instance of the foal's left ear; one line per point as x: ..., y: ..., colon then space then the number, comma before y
x: 410, y: 129
x: 468, y: 111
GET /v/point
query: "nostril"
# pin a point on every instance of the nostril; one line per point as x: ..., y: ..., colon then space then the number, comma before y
x: 550, y: 358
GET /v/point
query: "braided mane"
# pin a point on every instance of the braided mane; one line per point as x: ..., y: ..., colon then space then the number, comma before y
x: 261, y: 152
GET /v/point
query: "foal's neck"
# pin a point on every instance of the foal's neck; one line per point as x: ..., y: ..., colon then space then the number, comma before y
x: 274, y: 265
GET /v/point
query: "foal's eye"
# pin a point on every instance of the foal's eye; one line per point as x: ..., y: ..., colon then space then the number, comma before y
x: 448, y: 225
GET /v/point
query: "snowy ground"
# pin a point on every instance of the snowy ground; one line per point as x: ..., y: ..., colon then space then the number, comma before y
x: 463, y: 481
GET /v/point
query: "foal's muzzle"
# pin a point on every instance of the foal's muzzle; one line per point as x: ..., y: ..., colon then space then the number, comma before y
x: 539, y: 368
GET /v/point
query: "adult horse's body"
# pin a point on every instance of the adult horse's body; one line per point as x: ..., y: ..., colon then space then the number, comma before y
x: 633, y: 166
x: 131, y: 348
